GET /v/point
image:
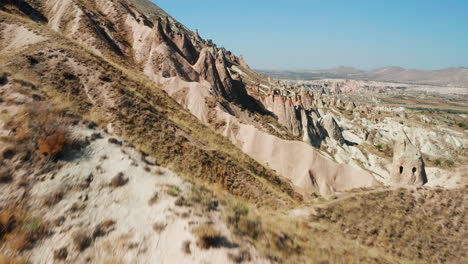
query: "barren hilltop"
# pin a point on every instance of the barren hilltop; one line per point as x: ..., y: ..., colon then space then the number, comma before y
x: 125, y: 137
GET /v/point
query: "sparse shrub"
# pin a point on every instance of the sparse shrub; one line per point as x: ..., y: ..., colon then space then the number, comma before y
x: 51, y: 145
x: 159, y: 227
x: 8, y: 153
x: 173, y: 191
x: 61, y: 254
x: 5, y: 176
x: 241, y: 257
x: 244, y: 224
x: 181, y: 201
x: 103, y: 228
x: 41, y: 128
x: 20, y: 231
x: 208, y: 236
x: 378, y: 147
x: 159, y: 172
x: 53, y: 198
x: 115, y: 141
x: 118, y: 180
x: 437, y: 162
x: 154, y: 199
x: 81, y: 241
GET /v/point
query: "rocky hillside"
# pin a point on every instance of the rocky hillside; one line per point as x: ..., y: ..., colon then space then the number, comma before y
x: 126, y: 137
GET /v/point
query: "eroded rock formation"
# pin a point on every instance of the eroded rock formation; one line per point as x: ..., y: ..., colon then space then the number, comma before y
x: 408, y: 164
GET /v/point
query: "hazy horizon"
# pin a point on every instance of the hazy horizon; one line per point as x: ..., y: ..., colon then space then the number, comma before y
x: 356, y: 68
x: 310, y: 35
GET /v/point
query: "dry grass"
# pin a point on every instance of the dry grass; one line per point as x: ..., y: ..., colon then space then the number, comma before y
x: 421, y: 225
x: 38, y: 128
x: 241, y: 257
x: 12, y: 260
x: 173, y: 191
x: 20, y: 231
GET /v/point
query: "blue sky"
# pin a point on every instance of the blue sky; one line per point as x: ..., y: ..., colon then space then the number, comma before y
x: 317, y: 34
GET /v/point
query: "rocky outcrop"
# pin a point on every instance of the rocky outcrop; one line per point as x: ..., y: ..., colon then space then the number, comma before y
x: 331, y: 127
x: 195, y: 71
x: 408, y: 164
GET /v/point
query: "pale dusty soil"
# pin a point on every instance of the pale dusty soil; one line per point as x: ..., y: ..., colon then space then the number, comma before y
x: 133, y: 239
x: 18, y: 37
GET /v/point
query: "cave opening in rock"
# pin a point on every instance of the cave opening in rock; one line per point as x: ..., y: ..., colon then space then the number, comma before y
x: 401, y: 169
x: 414, y: 170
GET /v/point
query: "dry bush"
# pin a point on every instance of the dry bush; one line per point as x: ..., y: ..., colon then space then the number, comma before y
x: 186, y: 247
x: 41, y: 128
x: 118, y: 180
x: 53, y: 198
x: 5, y: 176
x: 173, y: 191
x: 208, y: 236
x: 154, y: 199
x: 159, y: 172
x: 159, y: 227
x: 61, y: 254
x: 241, y: 257
x: 53, y: 144
x: 200, y: 195
x: 243, y: 223
x: 103, y: 228
x: 81, y: 241
x: 181, y: 201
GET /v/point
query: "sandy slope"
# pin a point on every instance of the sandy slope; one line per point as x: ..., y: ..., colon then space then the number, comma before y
x: 133, y: 238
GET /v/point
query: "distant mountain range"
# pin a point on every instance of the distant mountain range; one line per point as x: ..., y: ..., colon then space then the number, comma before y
x: 452, y: 77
